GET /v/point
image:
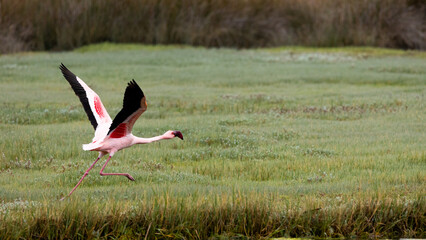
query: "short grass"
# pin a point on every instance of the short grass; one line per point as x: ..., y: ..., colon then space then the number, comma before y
x: 285, y: 142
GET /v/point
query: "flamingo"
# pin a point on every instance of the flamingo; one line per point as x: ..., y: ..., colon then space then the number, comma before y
x: 112, y: 135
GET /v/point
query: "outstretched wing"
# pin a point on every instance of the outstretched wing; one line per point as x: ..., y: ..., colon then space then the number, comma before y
x: 92, y: 104
x: 134, y: 104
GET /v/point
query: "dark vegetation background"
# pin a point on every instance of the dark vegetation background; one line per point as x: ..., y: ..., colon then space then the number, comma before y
x: 66, y: 24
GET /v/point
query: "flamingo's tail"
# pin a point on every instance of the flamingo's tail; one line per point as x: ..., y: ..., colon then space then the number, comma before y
x: 90, y: 146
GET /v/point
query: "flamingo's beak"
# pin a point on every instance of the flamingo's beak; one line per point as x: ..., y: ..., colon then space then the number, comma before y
x: 178, y: 134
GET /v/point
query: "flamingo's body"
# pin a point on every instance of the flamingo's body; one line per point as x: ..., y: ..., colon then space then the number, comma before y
x: 112, y: 135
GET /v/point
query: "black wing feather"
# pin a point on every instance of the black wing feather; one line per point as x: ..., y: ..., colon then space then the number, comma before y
x: 131, y: 103
x: 80, y: 92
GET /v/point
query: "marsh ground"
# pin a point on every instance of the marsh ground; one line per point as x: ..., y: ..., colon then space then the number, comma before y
x: 278, y: 142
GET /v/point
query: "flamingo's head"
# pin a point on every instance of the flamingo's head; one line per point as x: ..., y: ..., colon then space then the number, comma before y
x: 172, y: 134
x: 178, y: 134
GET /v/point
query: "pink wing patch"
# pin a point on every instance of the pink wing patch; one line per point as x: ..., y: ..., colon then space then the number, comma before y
x: 119, y: 131
x: 98, y: 107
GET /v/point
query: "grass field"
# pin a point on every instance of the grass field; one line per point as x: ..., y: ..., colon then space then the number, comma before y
x: 283, y: 142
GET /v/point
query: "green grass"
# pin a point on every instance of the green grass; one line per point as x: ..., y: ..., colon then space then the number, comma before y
x: 278, y: 143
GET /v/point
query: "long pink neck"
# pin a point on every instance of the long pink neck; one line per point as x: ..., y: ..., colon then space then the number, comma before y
x: 138, y: 140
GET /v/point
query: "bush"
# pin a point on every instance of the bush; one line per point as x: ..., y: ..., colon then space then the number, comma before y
x: 67, y: 24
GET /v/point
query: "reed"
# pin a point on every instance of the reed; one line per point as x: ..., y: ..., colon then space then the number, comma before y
x: 63, y: 25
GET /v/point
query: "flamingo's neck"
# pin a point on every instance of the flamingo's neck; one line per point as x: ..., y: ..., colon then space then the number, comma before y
x: 139, y: 140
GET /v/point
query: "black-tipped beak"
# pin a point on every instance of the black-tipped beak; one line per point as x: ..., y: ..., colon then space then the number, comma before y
x: 178, y: 134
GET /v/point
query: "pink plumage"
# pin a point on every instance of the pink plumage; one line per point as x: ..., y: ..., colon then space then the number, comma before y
x: 112, y: 135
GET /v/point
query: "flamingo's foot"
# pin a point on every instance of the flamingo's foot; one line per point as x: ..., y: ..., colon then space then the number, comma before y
x: 130, y: 177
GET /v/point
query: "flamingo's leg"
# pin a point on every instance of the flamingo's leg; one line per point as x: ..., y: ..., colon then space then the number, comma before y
x: 119, y: 174
x: 85, y: 174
